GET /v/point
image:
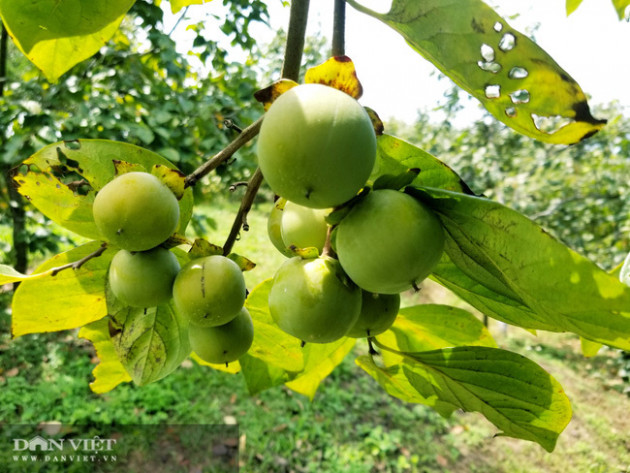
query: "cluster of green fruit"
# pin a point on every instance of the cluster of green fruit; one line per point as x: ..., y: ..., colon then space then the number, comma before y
x: 137, y: 213
x: 317, y: 149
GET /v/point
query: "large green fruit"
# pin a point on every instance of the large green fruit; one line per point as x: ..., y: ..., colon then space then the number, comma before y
x: 143, y: 279
x: 378, y: 312
x: 316, y: 146
x: 209, y: 291
x: 389, y: 242
x: 304, y: 227
x: 313, y: 300
x: 224, y: 343
x: 136, y: 211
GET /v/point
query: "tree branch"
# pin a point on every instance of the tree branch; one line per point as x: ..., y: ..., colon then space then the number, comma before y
x: 246, y: 135
x: 339, y: 29
x: 290, y: 70
x: 81, y: 262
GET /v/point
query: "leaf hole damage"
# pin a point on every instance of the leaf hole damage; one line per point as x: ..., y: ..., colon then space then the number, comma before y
x: 518, y: 73
x: 550, y: 124
x: 493, y: 67
x: 511, y: 112
x: 493, y: 91
x: 508, y: 42
x: 498, y: 27
x: 487, y: 52
x: 520, y: 96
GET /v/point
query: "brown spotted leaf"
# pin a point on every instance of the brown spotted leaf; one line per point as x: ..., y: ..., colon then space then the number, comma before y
x: 515, y: 79
x: 269, y: 94
x: 337, y: 72
x: 173, y: 178
x: 202, y: 248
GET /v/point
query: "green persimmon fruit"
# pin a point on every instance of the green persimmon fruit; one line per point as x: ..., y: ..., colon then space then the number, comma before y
x: 313, y: 299
x: 136, y: 211
x: 378, y: 312
x: 389, y: 242
x: 209, y: 291
x: 304, y: 227
x: 144, y: 278
x: 316, y: 146
x: 274, y: 226
x: 224, y: 343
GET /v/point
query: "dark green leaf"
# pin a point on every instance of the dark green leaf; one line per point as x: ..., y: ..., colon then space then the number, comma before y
x: 151, y: 342
x: 506, y: 261
x: 518, y: 82
x: 396, y: 181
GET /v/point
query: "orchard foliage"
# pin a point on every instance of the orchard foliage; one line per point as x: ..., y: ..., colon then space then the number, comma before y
x: 493, y: 257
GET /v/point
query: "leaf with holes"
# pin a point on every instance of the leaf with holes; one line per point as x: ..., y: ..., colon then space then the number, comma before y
x: 395, y: 157
x: 70, y: 299
x: 505, y: 258
x: 109, y: 372
x: 511, y: 391
x: 57, y: 34
x: 151, y: 342
x: 62, y: 179
x: 518, y: 82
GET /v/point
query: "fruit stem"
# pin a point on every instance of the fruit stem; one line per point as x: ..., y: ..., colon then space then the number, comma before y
x: 226, y: 153
x: 339, y: 28
x: 327, y: 249
x: 77, y: 264
x: 371, y: 346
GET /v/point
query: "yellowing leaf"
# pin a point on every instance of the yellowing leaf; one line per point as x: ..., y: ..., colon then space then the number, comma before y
x: 70, y: 299
x: 515, y: 79
x: 9, y: 275
x: 269, y: 94
x: 201, y: 248
x: 109, y: 372
x: 242, y: 262
x: 589, y: 348
x: 173, y: 178
x: 177, y: 5
x: 57, y: 34
x: 337, y: 72
x: 572, y: 5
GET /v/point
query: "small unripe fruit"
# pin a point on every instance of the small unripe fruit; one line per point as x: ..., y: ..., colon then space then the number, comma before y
x: 224, y: 343
x: 316, y: 146
x: 136, y: 211
x: 313, y: 300
x: 143, y: 279
x: 274, y: 226
x: 389, y: 242
x: 209, y: 291
x: 304, y: 227
x: 378, y: 312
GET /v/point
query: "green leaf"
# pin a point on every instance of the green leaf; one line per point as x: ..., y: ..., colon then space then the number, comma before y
x: 589, y: 348
x: 57, y: 34
x: 395, y: 382
x: 151, y: 342
x: 504, y: 259
x: 397, y: 157
x: 572, y: 5
x: 518, y: 82
x: 320, y: 361
x: 109, y: 372
x: 61, y: 180
x: 511, y: 391
x: 432, y: 326
x: 70, y: 299
x: 177, y: 5
x: 396, y: 181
